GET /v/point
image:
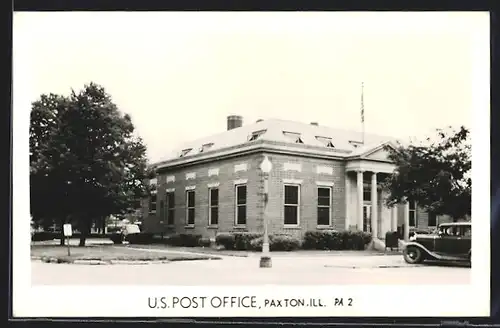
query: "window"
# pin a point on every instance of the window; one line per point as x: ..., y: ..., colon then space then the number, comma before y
x: 152, y: 203
x: 413, y: 214
x: 367, y: 193
x: 190, y: 202
x: 466, y: 231
x: 170, y: 208
x: 356, y: 144
x: 291, y: 204
x: 293, y: 136
x: 213, y: 206
x: 432, y: 220
x: 325, y: 141
x: 256, y: 135
x: 184, y: 152
x: 241, y: 204
x: 324, y: 203
x: 162, y: 210
x: 205, y: 147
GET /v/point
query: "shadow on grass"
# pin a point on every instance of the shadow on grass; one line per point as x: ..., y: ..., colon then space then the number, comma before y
x: 58, y: 254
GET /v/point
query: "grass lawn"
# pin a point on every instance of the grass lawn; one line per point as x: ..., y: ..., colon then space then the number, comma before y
x: 108, y: 253
x: 300, y: 252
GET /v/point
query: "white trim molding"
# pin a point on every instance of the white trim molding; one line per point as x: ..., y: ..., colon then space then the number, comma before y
x: 191, y: 176
x: 292, y: 167
x: 170, y: 190
x: 170, y: 178
x: 213, y: 171
x: 240, y: 167
x: 190, y: 187
x: 325, y: 183
x: 323, y: 169
x: 213, y: 185
x: 240, y: 181
x: 292, y: 181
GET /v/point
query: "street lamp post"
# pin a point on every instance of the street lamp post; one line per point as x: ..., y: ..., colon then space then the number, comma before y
x: 265, y: 259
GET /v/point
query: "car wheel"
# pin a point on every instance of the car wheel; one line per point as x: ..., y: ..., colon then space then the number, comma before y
x: 412, y: 255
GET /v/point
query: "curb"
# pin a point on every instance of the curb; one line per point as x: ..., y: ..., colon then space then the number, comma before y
x: 368, y: 267
x: 56, y: 260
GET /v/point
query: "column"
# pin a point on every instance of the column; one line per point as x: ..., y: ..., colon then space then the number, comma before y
x: 406, y: 213
x: 347, y: 200
x: 374, y: 213
x: 359, y: 180
x: 394, y: 218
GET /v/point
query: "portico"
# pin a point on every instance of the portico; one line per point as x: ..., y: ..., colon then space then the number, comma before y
x: 365, y: 198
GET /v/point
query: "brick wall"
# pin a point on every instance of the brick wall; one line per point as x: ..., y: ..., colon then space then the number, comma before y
x: 284, y: 167
x: 200, y: 179
x: 308, y: 175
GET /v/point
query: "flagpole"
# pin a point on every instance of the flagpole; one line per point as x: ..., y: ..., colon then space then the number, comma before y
x: 362, y: 114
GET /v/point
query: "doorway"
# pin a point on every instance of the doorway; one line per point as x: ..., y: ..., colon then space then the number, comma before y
x: 367, y: 214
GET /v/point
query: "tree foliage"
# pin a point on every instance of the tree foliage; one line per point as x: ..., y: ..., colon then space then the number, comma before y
x: 435, y: 174
x: 86, y: 163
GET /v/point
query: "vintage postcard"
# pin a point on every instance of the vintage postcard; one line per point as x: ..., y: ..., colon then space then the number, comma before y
x: 251, y: 164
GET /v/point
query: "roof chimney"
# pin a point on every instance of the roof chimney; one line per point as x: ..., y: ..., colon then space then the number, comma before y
x: 314, y: 123
x: 234, y: 121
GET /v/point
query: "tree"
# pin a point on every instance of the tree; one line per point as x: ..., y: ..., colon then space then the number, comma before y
x: 435, y: 174
x: 86, y: 162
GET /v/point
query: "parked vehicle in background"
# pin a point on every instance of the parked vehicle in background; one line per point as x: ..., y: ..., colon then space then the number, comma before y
x: 450, y: 242
x: 126, y: 232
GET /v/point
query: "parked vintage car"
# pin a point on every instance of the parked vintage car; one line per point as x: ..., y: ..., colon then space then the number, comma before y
x: 452, y: 242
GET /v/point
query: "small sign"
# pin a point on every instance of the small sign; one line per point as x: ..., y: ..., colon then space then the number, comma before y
x: 67, y: 230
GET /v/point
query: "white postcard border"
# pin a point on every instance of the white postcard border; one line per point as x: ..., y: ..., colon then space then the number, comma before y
x: 390, y: 300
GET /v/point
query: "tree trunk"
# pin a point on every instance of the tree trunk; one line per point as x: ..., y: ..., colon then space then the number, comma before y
x: 84, y: 232
x: 103, y: 225
x: 63, y: 239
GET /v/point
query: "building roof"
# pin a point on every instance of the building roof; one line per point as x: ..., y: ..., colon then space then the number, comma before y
x: 342, y: 142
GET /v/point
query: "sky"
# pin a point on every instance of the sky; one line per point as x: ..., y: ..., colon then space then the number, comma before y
x: 180, y: 74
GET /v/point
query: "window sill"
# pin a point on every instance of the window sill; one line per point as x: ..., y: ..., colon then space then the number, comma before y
x: 213, y: 226
x: 240, y: 227
x: 324, y: 227
x: 292, y: 227
x: 190, y: 226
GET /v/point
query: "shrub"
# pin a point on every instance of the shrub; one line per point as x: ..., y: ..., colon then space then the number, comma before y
x: 183, y: 240
x: 142, y: 238
x: 277, y: 243
x: 323, y: 240
x: 242, y: 240
x: 116, y: 238
x: 236, y: 240
x: 205, y: 242
x: 336, y: 240
x: 225, y: 239
x: 45, y: 235
x: 355, y: 240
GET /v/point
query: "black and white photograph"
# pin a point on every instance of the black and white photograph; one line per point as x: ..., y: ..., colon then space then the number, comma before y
x: 251, y: 164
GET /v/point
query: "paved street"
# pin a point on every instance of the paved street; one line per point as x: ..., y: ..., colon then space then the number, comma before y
x: 286, y: 270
